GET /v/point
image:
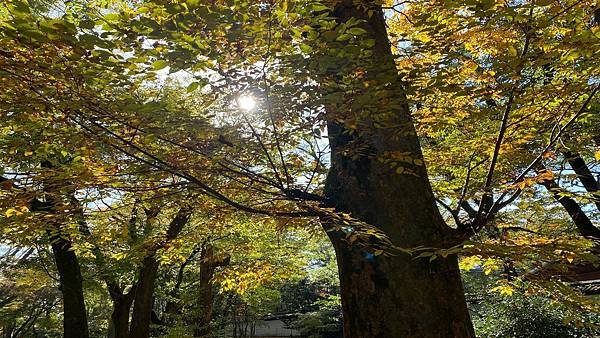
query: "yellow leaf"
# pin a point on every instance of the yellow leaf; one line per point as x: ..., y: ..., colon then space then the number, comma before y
x: 12, y: 212
x: 544, y: 176
x: 469, y: 262
x: 549, y: 154
x: 118, y: 256
x: 490, y: 265
x: 506, y: 290
x: 597, y: 155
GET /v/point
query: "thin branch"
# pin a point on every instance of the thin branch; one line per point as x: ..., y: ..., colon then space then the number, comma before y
x: 467, y: 179
x: 266, y: 151
x: 268, y: 101
x: 162, y: 165
x: 555, y: 136
x: 565, y: 10
x: 452, y: 212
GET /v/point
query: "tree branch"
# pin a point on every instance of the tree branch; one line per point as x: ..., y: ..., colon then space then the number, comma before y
x: 580, y: 219
x: 584, y: 175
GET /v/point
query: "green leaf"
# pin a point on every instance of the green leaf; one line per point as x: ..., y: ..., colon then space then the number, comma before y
x: 306, y: 48
x: 87, y: 24
x: 22, y: 7
x: 344, y: 37
x: 193, y: 86
x: 159, y: 64
x: 319, y: 7
x: 356, y: 31
x: 330, y: 35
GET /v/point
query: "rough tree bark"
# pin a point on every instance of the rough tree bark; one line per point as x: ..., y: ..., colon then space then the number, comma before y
x: 208, y: 264
x: 142, y: 309
x: 396, y: 296
x: 119, y: 318
x: 71, y: 286
x: 144, y: 294
x: 75, y: 323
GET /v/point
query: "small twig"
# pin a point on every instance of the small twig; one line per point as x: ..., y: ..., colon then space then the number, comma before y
x: 467, y: 179
x: 457, y: 220
x: 555, y: 136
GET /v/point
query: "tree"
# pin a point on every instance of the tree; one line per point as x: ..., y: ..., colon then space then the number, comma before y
x: 381, y: 143
x: 440, y: 295
x: 511, y: 105
x: 322, y: 73
x: 395, y: 295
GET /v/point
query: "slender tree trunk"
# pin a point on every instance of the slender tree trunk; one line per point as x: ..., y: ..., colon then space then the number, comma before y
x: 382, y: 296
x: 208, y: 263
x: 235, y: 326
x: 585, y: 176
x: 173, y: 307
x: 580, y: 219
x: 142, y: 309
x: 144, y: 294
x: 75, y: 323
x: 71, y: 286
x: 119, y: 318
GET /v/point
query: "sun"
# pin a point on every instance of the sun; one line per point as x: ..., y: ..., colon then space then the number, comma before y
x: 246, y: 102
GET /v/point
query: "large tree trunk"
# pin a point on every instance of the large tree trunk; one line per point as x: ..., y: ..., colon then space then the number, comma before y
x: 71, y: 286
x: 384, y: 296
x: 120, y: 319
